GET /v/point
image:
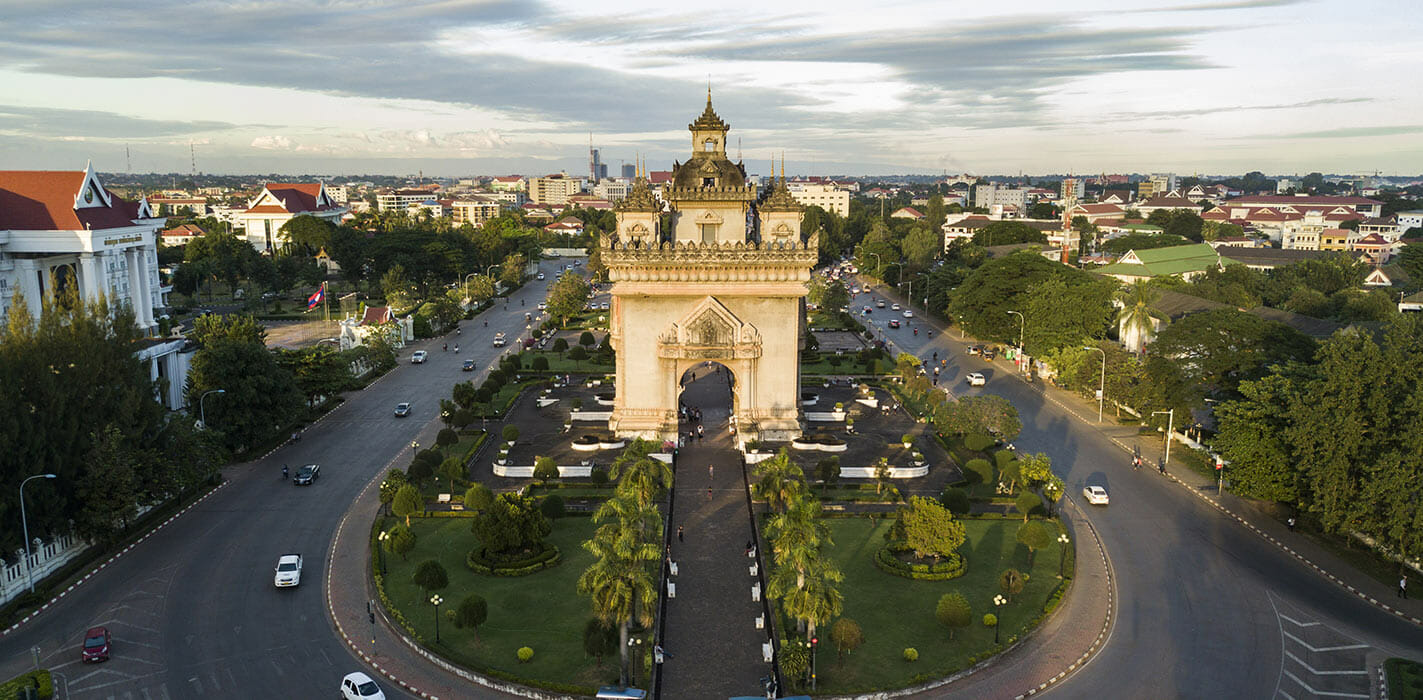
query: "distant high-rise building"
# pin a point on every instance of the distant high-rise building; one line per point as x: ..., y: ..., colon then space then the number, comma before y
x: 629, y: 171
x: 554, y: 189
x: 597, y: 169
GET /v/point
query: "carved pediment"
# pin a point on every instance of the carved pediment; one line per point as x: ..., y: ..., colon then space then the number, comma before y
x: 709, y: 217
x: 710, y: 330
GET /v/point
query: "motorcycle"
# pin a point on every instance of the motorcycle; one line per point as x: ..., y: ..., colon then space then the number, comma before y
x: 457, y: 349
x: 284, y: 472
x: 445, y: 347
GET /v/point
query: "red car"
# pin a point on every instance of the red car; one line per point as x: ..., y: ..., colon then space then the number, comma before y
x: 96, y: 645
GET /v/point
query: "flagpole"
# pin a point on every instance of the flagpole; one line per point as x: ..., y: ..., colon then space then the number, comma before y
x: 325, y: 303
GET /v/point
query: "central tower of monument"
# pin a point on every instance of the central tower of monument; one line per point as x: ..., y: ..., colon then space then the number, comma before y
x: 726, y: 283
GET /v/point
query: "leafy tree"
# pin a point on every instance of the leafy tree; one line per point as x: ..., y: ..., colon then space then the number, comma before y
x: 512, y: 523
x: 308, y: 232
x: 578, y: 354
x: 260, y: 396
x: 1034, y: 536
x: 956, y: 500
x: 639, y: 475
x: 828, y: 469
x: 407, y: 502
x: 398, y: 290
x: 1051, y: 323
x: 545, y: 468
x: 847, y: 637
x: 447, y: 438
x: 1034, y: 469
x: 430, y: 575
x: 1137, y: 314
x: 953, y: 612
x: 982, y: 302
x: 1011, y: 582
x: 808, y: 595
x: 835, y: 297
x: 1006, y: 233
x: 472, y: 612
x: 452, y: 470
x: 599, y: 640
x: 511, y: 272
x: 479, y: 287
x: 1027, y: 501
x: 988, y: 413
x: 109, y: 492
x: 930, y: 529
x: 560, y: 344
x: 399, y: 540
x: 921, y: 245
x: 478, y: 497
x: 1222, y: 347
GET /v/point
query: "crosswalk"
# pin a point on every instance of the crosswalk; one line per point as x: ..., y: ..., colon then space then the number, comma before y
x: 1318, y: 661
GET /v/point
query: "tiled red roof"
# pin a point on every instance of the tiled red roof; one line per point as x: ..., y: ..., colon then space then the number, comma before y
x: 508, y: 178
x: 1372, y: 239
x: 376, y: 315
x: 43, y: 200
x: 296, y: 197
x: 1307, y: 201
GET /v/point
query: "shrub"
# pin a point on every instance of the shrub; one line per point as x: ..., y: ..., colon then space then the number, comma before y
x: 953, y: 611
x: 586, y: 339
x: 399, y: 540
x: 956, y: 500
x: 911, y: 654
x: 599, y: 477
x: 510, y: 433
x: 1003, y: 457
x: 540, y: 364
x: 560, y: 344
x: 990, y: 620
x: 430, y: 575
x: 552, y: 507
x: 481, y: 562
x: 577, y: 404
x: 447, y: 438
x: 978, y: 442
x: 951, y: 567
x: 578, y: 354
x: 545, y: 468
x: 407, y: 502
x: 478, y: 497
x: 1027, y: 502
x: 472, y: 612
x: 979, y: 471
x: 907, y: 438
x: 525, y: 655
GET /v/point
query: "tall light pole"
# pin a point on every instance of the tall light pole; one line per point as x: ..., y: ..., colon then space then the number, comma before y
x: 1062, y: 540
x: 1170, y: 425
x: 436, y: 600
x: 380, y: 548
x: 998, y: 603
x: 1102, y: 383
x: 1022, y: 327
x: 466, y: 282
x: 25, y: 526
x: 203, y: 408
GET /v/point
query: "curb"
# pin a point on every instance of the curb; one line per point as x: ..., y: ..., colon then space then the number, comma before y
x: 111, y: 560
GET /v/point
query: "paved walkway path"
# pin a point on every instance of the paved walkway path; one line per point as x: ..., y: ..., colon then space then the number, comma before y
x: 711, y: 632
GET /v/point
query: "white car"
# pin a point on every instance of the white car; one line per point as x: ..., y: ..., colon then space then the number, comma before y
x: 908, y: 313
x: 976, y: 379
x: 499, y: 340
x: 359, y: 686
x: 542, y: 306
x: 879, y: 304
x: 1096, y: 495
x: 541, y: 276
x: 418, y: 358
x: 894, y: 307
x: 288, y: 571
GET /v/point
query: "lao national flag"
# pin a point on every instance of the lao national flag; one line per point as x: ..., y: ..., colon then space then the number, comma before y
x: 316, y: 298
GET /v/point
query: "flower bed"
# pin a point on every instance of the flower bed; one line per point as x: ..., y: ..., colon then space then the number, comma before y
x: 888, y: 561
x: 481, y: 562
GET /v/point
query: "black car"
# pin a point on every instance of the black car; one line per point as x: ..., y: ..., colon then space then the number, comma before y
x: 894, y: 323
x: 306, y: 476
x: 468, y: 366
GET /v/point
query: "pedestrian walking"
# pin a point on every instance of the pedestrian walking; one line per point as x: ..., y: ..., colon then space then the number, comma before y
x: 679, y: 533
x: 710, y: 471
x: 1403, y: 587
x: 700, y: 431
x: 1291, y: 524
x: 708, y: 493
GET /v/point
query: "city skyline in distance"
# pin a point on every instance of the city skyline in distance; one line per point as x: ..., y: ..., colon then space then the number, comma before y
x: 460, y: 88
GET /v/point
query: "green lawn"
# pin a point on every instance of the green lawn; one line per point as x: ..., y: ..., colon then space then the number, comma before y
x: 896, y: 612
x: 849, y: 364
x: 543, y: 610
x: 1405, y: 679
x: 560, y: 364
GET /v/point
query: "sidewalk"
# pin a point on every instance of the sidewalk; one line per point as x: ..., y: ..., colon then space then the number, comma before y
x: 710, y: 627
x: 1244, y: 511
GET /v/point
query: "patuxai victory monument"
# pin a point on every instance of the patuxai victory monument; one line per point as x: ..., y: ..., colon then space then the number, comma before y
x: 717, y: 274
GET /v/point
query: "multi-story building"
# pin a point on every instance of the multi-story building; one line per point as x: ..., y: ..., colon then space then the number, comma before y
x: 280, y: 202
x: 1362, y: 205
x: 509, y: 198
x: 475, y: 210
x: 629, y: 171
x: 175, y: 206
x: 1408, y: 220
x: 553, y: 189
x: 1010, y: 198
x: 400, y: 200
x: 63, y: 230
x: 611, y: 190
x: 827, y: 197
x: 1072, y: 188
x: 338, y: 194
x: 508, y: 183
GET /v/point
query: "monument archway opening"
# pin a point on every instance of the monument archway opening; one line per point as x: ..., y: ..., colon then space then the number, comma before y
x: 706, y: 398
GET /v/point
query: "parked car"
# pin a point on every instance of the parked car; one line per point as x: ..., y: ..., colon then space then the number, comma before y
x: 990, y: 353
x: 541, y: 276
x: 402, y: 410
x: 894, y: 323
x: 976, y: 379
x: 418, y: 358
x: 288, y: 571
x: 468, y: 366
x: 359, y: 686
x: 306, y: 476
x: 499, y: 340
x: 975, y: 350
x: 96, y: 645
x: 542, y: 306
x: 1096, y: 495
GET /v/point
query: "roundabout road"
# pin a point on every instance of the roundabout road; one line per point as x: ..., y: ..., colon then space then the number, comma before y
x: 193, y: 610
x: 1206, y: 607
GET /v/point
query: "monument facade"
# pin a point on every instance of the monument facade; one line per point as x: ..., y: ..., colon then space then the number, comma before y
x: 725, y: 282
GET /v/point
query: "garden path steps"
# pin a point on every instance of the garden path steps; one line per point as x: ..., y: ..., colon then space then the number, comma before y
x: 711, y: 632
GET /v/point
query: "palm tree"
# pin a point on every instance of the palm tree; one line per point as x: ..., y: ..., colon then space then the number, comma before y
x: 1135, y: 318
x: 779, y: 481
x: 797, y: 534
x: 640, y: 474
x: 620, y: 580
x: 809, y: 595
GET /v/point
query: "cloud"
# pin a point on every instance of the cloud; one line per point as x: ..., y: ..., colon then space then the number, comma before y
x: 49, y: 122
x: 1227, y: 5
x: 1200, y: 112
x: 1351, y: 132
x: 272, y: 143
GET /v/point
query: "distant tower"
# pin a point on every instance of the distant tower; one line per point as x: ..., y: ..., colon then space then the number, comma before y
x: 1069, y: 200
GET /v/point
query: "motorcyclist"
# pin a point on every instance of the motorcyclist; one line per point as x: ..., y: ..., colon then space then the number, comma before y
x: 457, y: 348
x: 284, y: 471
x: 445, y: 347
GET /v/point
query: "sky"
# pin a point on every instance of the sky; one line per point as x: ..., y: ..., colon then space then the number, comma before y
x: 484, y: 87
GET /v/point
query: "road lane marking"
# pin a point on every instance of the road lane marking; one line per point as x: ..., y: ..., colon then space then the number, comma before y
x: 1294, y: 621
x: 1318, y: 672
x: 1326, y: 693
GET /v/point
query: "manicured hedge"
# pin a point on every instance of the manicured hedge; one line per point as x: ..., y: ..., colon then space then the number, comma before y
x: 40, y: 679
x: 481, y: 563
x: 885, y: 559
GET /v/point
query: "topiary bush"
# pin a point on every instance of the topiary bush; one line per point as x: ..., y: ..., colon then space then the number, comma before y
x: 978, y: 442
x: 510, y: 433
x: 956, y: 500
x: 978, y: 471
x: 586, y: 339
x: 1003, y: 457
x: 525, y: 655
x: 552, y: 506
x: 560, y: 344
x: 911, y: 654
x: 599, y: 477
x: 949, y: 567
x: 545, y: 468
x: 447, y: 437
x: 540, y: 364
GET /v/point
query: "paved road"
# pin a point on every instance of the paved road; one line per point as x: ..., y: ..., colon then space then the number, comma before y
x: 193, y: 610
x: 1206, y: 607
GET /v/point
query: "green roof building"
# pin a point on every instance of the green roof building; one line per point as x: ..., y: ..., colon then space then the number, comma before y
x: 1184, y: 261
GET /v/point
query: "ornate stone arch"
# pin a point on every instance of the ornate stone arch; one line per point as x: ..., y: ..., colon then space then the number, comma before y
x: 709, y: 331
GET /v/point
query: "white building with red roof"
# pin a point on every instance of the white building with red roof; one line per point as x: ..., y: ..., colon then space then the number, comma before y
x: 1362, y: 205
x: 63, y: 230
x: 907, y: 213
x: 280, y: 202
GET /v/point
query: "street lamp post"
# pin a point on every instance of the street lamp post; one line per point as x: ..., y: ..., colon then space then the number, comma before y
x: 466, y: 283
x: 436, y: 600
x: 380, y: 547
x: 998, y: 603
x: 1102, y: 383
x: 25, y: 526
x: 1170, y: 425
x: 1062, y: 540
x: 636, y: 659
x: 814, y: 644
x: 203, y: 407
